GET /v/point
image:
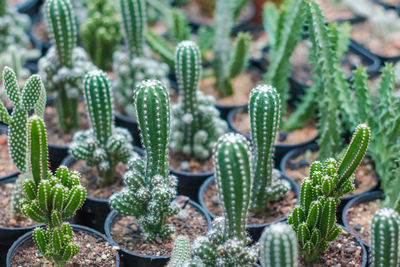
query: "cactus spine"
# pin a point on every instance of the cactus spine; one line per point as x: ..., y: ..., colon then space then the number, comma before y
x: 181, y: 252
x: 385, y: 231
x: 278, y: 246
x: 265, y: 109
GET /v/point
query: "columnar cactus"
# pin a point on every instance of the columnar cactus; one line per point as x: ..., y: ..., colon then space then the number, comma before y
x: 104, y: 145
x: 150, y: 189
x: 385, y: 231
x: 64, y: 65
x: 314, y: 219
x: 181, y: 252
x: 50, y: 198
x: 196, y: 124
x: 3, y: 7
x: 265, y: 110
x: 225, y: 244
x: 278, y: 246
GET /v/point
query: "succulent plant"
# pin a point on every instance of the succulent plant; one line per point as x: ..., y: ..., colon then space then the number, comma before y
x: 181, y: 252
x: 150, y: 189
x: 104, y: 145
x: 314, y: 219
x: 225, y: 244
x: 278, y: 246
x: 64, y: 65
x: 385, y: 231
x: 196, y: 124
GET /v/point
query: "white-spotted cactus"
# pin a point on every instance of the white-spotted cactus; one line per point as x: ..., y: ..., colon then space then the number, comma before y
x: 181, y: 252
x: 278, y: 246
x: 385, y: 232
x: 196, y: 124
x: 103, y: 146
x: 150, y: 189
x: 314, y: 219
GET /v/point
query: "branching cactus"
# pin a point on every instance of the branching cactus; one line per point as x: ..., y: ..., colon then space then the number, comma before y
x: 134, y: 65
x: 150, y: 189
x: 104, y: 145
x: 314, y: 219
x: 181, y: 252
x: 385, y: 231
x: 225, y: 244
x: 278, y: 246
x: 196, y: 124
x: 50, y: 198
x: 265, y: 110
x: 64, y: 65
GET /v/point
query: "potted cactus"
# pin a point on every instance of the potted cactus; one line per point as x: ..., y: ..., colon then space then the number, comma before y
x: 148, y: 199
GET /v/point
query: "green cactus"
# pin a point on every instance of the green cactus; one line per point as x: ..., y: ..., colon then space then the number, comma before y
x: 50, y: 198
x: 385, y: 231
x: 3, y: 7
x: 196, y: 124
x: 278, y: 246
x: 181, y: 252
x: 150, y: 189
x: 103, y: 146
x: 265, y: 110
x: 314, y: 219
x: 225, y: 244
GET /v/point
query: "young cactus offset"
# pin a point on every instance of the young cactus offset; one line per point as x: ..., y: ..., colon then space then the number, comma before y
x: 50, y: 198
x: 278, y: 246
x: 181, y: 252
x: 385, y: 231
x: 196, y: 124
x: 104, y: 145
x: 265, y: 110
x: 150, y: 189
x: 64, y: 65
x: 314, y: 219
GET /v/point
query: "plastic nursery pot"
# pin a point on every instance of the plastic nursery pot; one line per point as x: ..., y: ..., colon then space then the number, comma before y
x: 131, y: 125
x: 385, y: 5
x: 30, y: 7
x: 95, y: 210
x: 255, y: 230
x: 382, y: 58
x: 28, y: 236
x: 132, y: 259
x: 280, y: 149
x: 363, y: 198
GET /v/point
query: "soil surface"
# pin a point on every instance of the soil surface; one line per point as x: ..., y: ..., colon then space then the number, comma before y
x: 7, y: 166
x: 359, y: 218
x: 94, y: 252
x: 334, y: 11
x: 7, y: 216
x: 188, y: 222
x: 298, y: 168
x: 276, y: 209
x: 181, y: 162
x: 344, y: 251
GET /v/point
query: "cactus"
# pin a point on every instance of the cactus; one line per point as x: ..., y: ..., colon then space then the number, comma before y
x: 195, y: 122
x: 385, y: 231
x: 314, y: 219
x: 103, y: 146
x: 64, y: 65
x: 50, y: 198
x: 181, y: 252
x: 278, y: 246
x: 150, y: 189
x: 225, y: 244
x: 265, y: 109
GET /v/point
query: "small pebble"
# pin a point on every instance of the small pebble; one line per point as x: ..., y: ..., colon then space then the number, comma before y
x: 283, y: 135
x: 357, y: 227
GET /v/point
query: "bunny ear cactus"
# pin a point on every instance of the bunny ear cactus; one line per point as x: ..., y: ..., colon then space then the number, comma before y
x: 265, y: 110
x: 195, y: 121
x: 314, y: 219
x: 103, y: 146
x: 150, y: 189
x: 385, y: 231
x: 278, y: 246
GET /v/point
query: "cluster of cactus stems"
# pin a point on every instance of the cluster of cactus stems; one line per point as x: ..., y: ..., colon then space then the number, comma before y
x: 150, y: 189
x: 196, y: 124
x: 314, y: 219
x: 278, y: 246
x: 385, y: 233
x: 104, y: 145
x: 64, y: 65
x: 265, y: 110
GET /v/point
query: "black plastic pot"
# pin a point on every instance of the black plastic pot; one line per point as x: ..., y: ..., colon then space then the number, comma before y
x: 131, y: 125
x: 30, y: 7
x: 255, y: 230
x: 132, y: 259
x: 366, y: 197
x: 26, y: 237
x: 385, y: 5
x: 382, y: 58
